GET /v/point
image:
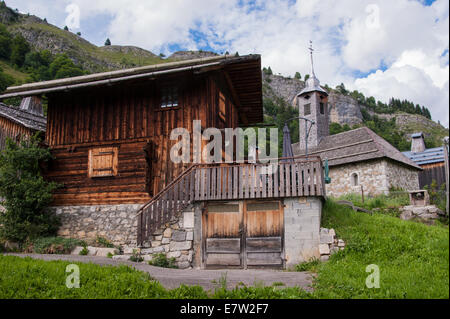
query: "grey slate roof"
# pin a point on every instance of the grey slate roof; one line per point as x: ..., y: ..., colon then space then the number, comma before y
x: 429, y: 156
x: 416, y: 135
x: 27, y: 119
x: 361, y: 144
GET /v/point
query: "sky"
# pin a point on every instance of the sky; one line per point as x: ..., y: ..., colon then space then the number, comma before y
x: 382, y: 48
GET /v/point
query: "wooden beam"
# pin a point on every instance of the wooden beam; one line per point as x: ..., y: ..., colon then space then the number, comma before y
x: 235, y: 97
x: 446, y: 173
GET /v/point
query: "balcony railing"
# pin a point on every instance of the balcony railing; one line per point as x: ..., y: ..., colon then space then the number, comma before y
x: 296, y: 177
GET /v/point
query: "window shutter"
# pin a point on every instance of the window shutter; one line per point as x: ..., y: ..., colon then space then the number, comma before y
x: 103, y: 161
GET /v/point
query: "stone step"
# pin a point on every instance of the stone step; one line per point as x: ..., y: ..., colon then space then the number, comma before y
x: 95, y: 251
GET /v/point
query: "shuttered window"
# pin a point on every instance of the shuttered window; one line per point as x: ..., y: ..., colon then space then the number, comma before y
x: 103, y: 161
x: 307, y: 109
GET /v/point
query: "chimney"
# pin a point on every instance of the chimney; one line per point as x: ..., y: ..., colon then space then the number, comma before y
x: 417, y: 143
x: 33, y: 105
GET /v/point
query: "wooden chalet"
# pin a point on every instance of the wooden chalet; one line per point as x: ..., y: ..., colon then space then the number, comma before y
x: 110, y: 136
x: 21, y: 122
x: 431, y: 161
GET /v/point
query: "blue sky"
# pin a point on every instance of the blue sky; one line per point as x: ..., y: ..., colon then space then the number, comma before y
x: 382, y: 48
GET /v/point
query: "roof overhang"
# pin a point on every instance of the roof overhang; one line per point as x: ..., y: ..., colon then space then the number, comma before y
x: 244, y: 73
x: 23, y: 118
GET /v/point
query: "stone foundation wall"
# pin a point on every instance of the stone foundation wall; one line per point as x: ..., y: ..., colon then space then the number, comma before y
x: 117, y: 223
x: 301, y: 229
x: 175, y: 240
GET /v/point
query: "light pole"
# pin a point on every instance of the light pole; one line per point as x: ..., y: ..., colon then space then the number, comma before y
x: 307, y: 129
x: 446, y: 173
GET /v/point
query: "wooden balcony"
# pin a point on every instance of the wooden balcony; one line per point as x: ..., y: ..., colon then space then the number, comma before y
x: 296, y: 177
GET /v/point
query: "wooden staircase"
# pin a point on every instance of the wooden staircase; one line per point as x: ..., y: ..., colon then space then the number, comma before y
x: 236, y: 181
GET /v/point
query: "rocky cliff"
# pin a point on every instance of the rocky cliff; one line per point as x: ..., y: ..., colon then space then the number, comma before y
x: 346, y: 110
x: 189, y: 55
x: 343, y: 109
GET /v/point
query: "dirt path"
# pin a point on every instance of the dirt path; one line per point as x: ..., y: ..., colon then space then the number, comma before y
x: 208, y: 279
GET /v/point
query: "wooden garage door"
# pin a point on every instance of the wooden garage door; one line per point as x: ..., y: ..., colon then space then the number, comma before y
x: 243, y: 234
x: 223, y: 223
x: 264, y: 234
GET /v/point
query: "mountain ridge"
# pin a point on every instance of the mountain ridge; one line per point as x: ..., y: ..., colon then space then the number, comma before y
x: 345, y: 110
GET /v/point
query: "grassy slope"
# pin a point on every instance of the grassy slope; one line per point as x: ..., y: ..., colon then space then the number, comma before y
x: 19, y: 76
x: 88, y: 53
x: 413, y: 258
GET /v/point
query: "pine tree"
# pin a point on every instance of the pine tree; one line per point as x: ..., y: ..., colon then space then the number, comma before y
x: 108, y: 42
x: 66, y: 28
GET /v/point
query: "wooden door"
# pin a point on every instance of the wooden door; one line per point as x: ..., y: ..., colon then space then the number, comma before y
x: 264, y: 234
x: 223, y: 235
x: 243, y: 234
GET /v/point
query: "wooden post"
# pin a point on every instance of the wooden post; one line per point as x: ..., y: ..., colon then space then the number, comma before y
x: 446, y: 173
x: 362, y: 194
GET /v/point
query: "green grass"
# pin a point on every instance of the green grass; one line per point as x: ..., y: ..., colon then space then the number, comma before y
x: 394, y: 200
x: 30, y: 278
x: 54, y: 245
x: 413, y: 258
x: 17, y: 75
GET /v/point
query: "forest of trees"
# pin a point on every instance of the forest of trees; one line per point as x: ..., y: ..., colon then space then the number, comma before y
x: 394, y: 105
x: 39, y: 66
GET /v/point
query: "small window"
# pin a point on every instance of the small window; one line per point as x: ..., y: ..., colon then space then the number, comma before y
x: 103, y: 161
x: 322, y: 108
x: 222, y: 107
x: 169, y: 97
x: 307, y: 109
x: 355, y: 179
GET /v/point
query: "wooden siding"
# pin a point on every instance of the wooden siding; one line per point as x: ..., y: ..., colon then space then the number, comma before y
x: 12, y: 130
x: 435, y: 171
x: 128, y: 116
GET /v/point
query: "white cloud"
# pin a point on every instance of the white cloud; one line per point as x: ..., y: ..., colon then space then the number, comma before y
x: 410, y: 81
x: 404, y: 38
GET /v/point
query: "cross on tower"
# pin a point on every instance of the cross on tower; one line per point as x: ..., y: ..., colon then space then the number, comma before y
x: 311, y: 50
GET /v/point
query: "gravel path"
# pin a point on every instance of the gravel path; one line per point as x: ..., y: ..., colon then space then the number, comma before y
x: 208, y: 279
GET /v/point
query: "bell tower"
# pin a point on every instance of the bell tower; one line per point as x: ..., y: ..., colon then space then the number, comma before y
x: 312, y: 104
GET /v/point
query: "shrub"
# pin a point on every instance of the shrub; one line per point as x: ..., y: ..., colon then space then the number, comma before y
x: 437, y: 194
x: 136, y: 256
x: 26, y: 194
x: 161, y: 260
x: 310, y: 265
x: 84, y: 251
x: 55, y: 245
x: 103, y: 242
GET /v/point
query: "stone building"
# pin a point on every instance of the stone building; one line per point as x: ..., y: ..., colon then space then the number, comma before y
x: 359, y: 159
